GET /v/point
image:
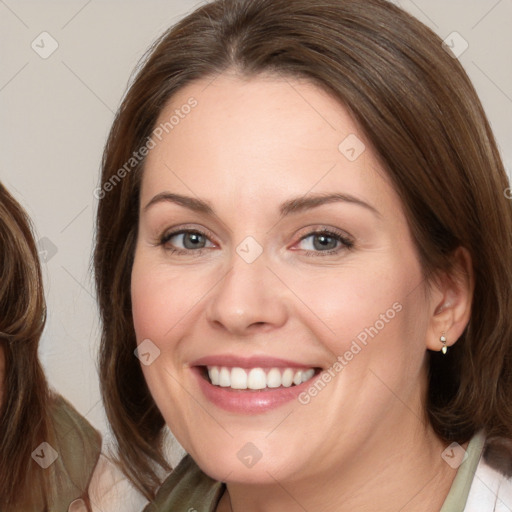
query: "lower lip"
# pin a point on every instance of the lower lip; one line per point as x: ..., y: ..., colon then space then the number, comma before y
x: 248, y: 401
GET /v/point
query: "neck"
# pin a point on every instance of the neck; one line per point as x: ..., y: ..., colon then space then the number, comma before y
x: 404, y: 473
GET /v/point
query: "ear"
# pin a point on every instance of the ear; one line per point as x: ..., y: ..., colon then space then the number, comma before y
x: 450, y: 302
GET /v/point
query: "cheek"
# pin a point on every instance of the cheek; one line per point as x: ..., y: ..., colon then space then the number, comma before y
x: 371, y: 317
x: 160, y: 300
x: 357, y: 300
x: 148, y: 306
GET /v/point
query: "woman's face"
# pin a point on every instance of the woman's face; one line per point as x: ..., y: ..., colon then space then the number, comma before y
x: 273, y: 253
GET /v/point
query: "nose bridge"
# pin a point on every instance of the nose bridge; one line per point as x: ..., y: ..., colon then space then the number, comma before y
x: 248, y: 293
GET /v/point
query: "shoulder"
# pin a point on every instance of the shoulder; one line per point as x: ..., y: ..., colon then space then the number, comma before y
x: 491, y: 489
x: 72, y: 452
x: 184, y: 488
x: 71, y: 426
x: 187, y: 488
x: 111, y: 491
x: 79, y: 444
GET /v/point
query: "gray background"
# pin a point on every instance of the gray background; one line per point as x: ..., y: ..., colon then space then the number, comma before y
x: 56, y: 113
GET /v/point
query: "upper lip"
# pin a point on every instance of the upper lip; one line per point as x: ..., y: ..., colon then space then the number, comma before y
x: 232, y: 361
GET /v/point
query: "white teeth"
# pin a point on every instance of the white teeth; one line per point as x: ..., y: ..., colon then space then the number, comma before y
x: 287, y: 378
x: 214, y: 375
x: 238, y: 379
x: 308, y: 374
x: 224, y: 378
x: 274, y: 378
x: 257, y: 378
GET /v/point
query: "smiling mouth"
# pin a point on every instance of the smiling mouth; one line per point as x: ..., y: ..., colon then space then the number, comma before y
x: 257, y: 379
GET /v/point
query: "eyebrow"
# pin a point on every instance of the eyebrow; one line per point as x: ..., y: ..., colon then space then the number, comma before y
x: 196, y: 205
x: 292, y: 206
x: 314, y: 200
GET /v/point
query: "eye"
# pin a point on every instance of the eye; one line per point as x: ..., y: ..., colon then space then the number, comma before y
x: 190, y: 240
x: 324, y: 242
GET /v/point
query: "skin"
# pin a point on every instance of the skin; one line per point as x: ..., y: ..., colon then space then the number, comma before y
x: 248, y: 146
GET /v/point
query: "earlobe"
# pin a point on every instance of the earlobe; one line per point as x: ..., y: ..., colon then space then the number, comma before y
x: 451, y: 303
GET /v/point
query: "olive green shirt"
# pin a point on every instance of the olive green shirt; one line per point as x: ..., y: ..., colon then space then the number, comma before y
x: 68, y: 460
x: 78, y: 447
x: 188, y: 489
x: 459, y: 491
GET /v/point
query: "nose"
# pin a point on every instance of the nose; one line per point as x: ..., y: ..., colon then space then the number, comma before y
x: 248, y: 299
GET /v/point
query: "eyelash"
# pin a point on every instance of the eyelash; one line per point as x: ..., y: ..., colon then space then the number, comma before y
x: 167, y: 236
x: 346, y: 243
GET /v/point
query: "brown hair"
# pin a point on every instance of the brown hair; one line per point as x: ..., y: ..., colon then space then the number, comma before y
x: 420, y: 112
x: 24, y: 419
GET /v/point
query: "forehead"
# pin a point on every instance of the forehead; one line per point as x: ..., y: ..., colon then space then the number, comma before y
x: 260, y: 139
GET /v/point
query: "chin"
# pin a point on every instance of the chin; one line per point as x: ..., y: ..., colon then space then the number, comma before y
x: 247, y: 464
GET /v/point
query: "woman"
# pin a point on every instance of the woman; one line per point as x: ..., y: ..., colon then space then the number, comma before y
x: 303, y: 235
x: 47, y: 450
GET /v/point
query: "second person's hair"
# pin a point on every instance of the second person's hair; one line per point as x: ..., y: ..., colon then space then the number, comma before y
x: 25, y: 404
